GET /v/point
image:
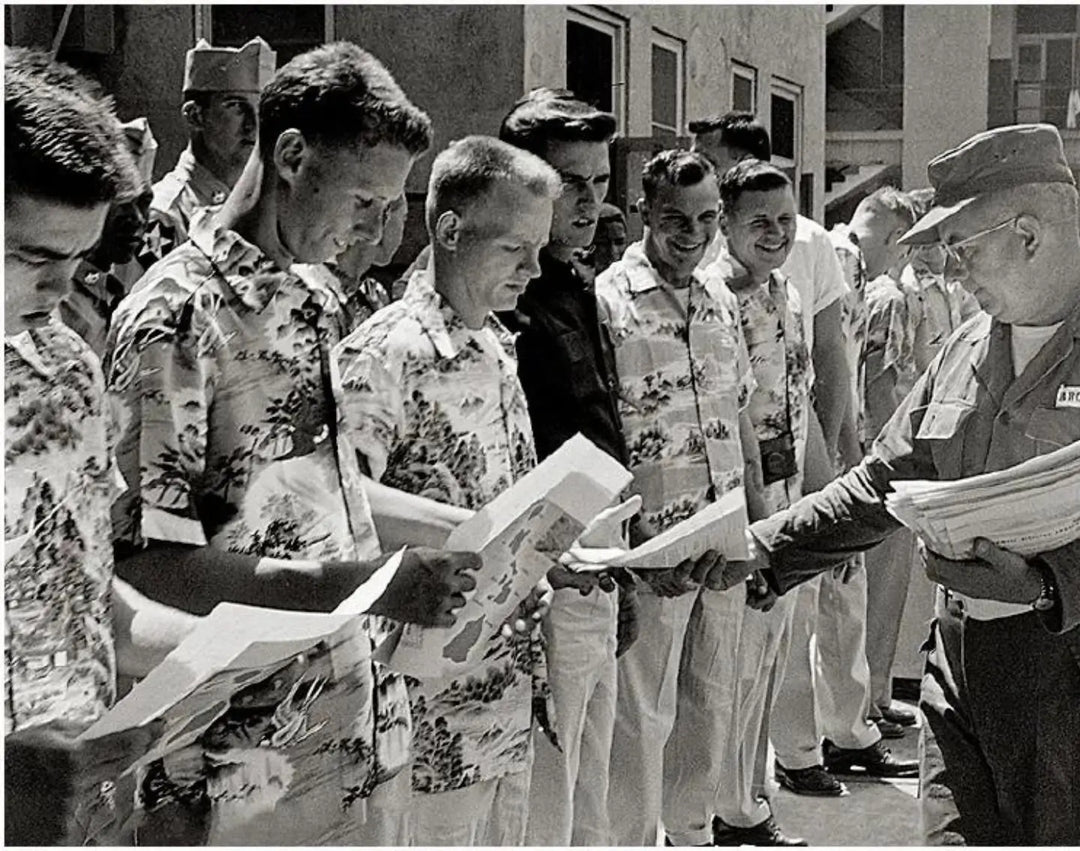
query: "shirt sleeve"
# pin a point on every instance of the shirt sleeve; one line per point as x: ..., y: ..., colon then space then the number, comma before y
x: 890, y: 329
x: 830, y: 283
x: 161, y: 383
x: 371, y: 403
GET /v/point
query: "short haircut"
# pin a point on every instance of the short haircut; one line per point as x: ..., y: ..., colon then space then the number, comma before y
x: 340, y: 95
x: 738, y: 130
x: 470, y: 167
x: 893, y: 200
x: 545, y: 115
x: 611, y: 213
x: 60, y: 144
x: 674, y: 167
x: 750, y: 176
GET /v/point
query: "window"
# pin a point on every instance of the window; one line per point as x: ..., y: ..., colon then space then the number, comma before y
x: 1046, y: 72
x: 786, y: 128
x: 667, y: 85
x: 289, y: 29
x: 743, y: 88
x: 595, y: 51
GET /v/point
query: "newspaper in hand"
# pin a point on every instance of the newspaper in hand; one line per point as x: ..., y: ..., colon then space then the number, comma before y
x: 519, y: 535
x: 1030, y: 508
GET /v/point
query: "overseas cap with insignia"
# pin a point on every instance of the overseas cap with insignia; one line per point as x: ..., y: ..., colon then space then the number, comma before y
x: 229, y: 69
x: 142, y: 144
x: 1002, y: 158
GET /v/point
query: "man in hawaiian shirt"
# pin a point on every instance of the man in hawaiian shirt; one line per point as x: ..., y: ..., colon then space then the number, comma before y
x: 566, y: 364
x: 221, y: 97
x: 69, y: 627
x: 685, y: 381
x: 758, y: 224
x: 432, y: 404
x: 220, y: 362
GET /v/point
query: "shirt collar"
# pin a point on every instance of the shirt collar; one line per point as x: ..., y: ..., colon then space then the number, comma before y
x: 204, y: 181
x: 25, y: 345
x: 641, y: 275
x: 439, y: 320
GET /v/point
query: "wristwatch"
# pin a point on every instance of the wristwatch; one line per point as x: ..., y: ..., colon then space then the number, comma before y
x: 1048, y: 596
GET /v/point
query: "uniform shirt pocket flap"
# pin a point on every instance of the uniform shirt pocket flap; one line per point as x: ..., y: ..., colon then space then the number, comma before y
x: 942, y: 420
x: 1059, y: 427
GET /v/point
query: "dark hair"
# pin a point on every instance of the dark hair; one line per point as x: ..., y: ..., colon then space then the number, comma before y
x: 42, y: 66
x: 676, y: 167
x: 469, y: 167
x: 749, y: 176
x: 61, y: 145
x: 739, y: 130
x: 340, y: 95
x: 545, y: 115
x: 611, y: 213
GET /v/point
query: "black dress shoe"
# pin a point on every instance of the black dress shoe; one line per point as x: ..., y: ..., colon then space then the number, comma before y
x: 669, y: 844
x: 874, y: 761
x: 898, y: 715
x: 766, y: 833
x: 889, y: 729
x: 814, y: 780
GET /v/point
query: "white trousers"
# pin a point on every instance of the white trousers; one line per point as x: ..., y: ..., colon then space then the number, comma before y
x: 568, y: 793
x: 826, y: 687
x: 648, y: 676
x: 889, y: 566
x: 488, y: 813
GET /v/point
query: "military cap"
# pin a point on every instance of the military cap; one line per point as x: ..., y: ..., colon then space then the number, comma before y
x: 229, y: 69
x: 1002, y: 158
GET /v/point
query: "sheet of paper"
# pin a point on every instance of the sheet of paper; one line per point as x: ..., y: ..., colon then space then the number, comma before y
x: 361, y: 600
x: 1030, y: 508
x: 720, y: 526
x: 518, y: 535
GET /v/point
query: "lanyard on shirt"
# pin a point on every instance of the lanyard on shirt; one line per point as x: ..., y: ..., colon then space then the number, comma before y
x: 782, y: 308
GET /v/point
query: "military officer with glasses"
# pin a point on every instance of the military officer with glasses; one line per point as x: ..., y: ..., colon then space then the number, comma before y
x: 1001, y: 755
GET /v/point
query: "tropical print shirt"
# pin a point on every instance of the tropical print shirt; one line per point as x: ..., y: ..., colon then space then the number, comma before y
x: 436, y: 409
x: 853, y: 313
x: 945, y: 307
x: 680, y: 390
x: 59, y: 483
x: 219, y: 364
x: 177, y: 196
x: 359, y: 298
x: 894, y: 313
x: 771, y: 317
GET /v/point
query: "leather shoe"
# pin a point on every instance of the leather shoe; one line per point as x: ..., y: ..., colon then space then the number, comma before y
x: 814, y: 780
x: 766, y: 833
x: 897, y: 715
x: 874, y: 761
x: 889, y: 729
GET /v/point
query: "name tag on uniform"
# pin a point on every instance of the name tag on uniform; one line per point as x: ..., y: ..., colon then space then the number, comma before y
x: 1068, y: 397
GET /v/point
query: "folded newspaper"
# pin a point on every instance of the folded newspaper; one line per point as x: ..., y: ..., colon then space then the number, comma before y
x: 519, y: 535
x: 232, y: 648
x: 1030, y: 508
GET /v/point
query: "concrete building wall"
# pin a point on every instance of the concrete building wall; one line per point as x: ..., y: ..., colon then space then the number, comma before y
x: 946, y: 52
x: 786, y: 42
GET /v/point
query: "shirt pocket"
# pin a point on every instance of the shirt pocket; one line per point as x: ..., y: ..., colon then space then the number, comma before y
x: 942, y: 427
x: 1053, y: 428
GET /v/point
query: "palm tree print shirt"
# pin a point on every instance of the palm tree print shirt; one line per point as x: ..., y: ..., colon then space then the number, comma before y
x: 436, y: 409
x: 59, y: 483
x: 684, y: 376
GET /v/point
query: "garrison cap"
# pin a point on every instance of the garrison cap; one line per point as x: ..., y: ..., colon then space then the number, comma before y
x: 229, y: 69
x: 1002, y: 158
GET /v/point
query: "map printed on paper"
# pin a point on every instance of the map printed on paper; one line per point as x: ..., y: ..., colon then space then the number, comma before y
x: 519, y: 535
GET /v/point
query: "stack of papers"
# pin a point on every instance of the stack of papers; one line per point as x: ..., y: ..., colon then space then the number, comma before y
x: 519, y: 535
x: 1030, y: 508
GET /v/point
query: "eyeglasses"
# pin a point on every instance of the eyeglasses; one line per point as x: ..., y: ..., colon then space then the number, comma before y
x: 954, y: 250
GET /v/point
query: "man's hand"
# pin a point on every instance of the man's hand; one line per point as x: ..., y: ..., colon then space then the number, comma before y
x: 48, y: 771
x: 530, y: 612
x: 686, y: 576
x: 428, y: 588
x: 995, y: 573
x: 563, y: 577
x: 759, y: 595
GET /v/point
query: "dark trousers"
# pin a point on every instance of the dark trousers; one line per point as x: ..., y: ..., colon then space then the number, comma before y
x: 1000, y: 753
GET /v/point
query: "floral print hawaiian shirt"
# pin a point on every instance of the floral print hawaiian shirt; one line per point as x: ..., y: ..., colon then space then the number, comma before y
x: 436, y: 409
x: 853, y: 313
x: 894, y: 312
x: 219, y: 363
x: 59, y: 483
x: 680, y: 392
x: 772, y: 325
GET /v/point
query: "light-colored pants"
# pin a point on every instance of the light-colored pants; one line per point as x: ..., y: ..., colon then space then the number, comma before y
x: 826, y: 687
x: 488, y: 813
x: 568, y: 793
x: 889, y: 566
x: 648, y: 676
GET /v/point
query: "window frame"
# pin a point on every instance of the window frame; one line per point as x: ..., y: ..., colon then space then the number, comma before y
x: 678, y: 47
x: 793, y: 92
x: 204, y: 22
x: 746, y: 72
x: 612, y: 25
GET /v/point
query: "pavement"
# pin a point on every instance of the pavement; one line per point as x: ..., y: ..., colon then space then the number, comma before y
x: 876, y: 813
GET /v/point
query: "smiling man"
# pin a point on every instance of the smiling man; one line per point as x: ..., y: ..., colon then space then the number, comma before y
x: 1002, y: 678
x: 221, y: 98
x: 219, y: 362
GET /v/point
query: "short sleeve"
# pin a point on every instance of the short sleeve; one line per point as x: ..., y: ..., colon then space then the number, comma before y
x: 890, y: 329
x: 161, y: 389
x: 830, y: 283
